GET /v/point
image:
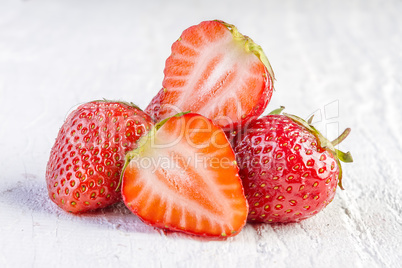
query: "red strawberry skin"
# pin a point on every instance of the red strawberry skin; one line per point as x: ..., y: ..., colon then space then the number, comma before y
x: 185, y: 178
x: 286, y: 176
x: 217, y: 72
x: 87, y: 157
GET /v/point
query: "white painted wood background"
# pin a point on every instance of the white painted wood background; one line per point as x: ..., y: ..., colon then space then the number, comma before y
x: 339, y: 59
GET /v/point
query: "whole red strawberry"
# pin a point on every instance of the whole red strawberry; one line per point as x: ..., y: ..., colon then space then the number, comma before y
x: 215, y: 71
x: 86, y: 160
x: 289, y: 170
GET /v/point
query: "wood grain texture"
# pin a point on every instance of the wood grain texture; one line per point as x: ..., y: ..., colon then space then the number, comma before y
x: 340, y: 60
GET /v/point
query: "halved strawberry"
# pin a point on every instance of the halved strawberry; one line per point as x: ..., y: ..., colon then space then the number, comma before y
x: 184, y: 177
x: 215, y: 71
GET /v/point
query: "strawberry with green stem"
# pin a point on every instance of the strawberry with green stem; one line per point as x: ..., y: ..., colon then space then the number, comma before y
x: 289, y: 170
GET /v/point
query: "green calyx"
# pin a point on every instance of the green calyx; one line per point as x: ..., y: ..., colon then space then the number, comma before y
x: 322, y: 141
x: 250, y: 46
x: 277, y: 111
x: 144, y: 145
x: 162, y: 122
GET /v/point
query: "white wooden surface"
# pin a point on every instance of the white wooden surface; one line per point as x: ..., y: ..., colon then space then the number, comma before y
x: 339, y: 59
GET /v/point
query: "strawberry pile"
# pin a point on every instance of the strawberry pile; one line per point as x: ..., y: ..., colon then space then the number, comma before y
x: 199, y: 159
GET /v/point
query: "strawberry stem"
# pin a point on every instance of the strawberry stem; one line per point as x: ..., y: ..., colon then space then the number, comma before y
x: 343, y: 136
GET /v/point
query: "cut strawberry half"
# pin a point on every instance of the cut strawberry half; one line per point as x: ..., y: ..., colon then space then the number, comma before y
x: 215, y: 71
x: 183, y: 177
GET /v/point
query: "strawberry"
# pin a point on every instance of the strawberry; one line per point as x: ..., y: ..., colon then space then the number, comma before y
x: 289, y: 170
x: 88, y: 155
x: 183, y: 177
x: 215, y: 71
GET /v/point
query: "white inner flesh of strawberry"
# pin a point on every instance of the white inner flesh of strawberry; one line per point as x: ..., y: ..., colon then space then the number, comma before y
x: 225, y: 88
x: 169, y: 174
